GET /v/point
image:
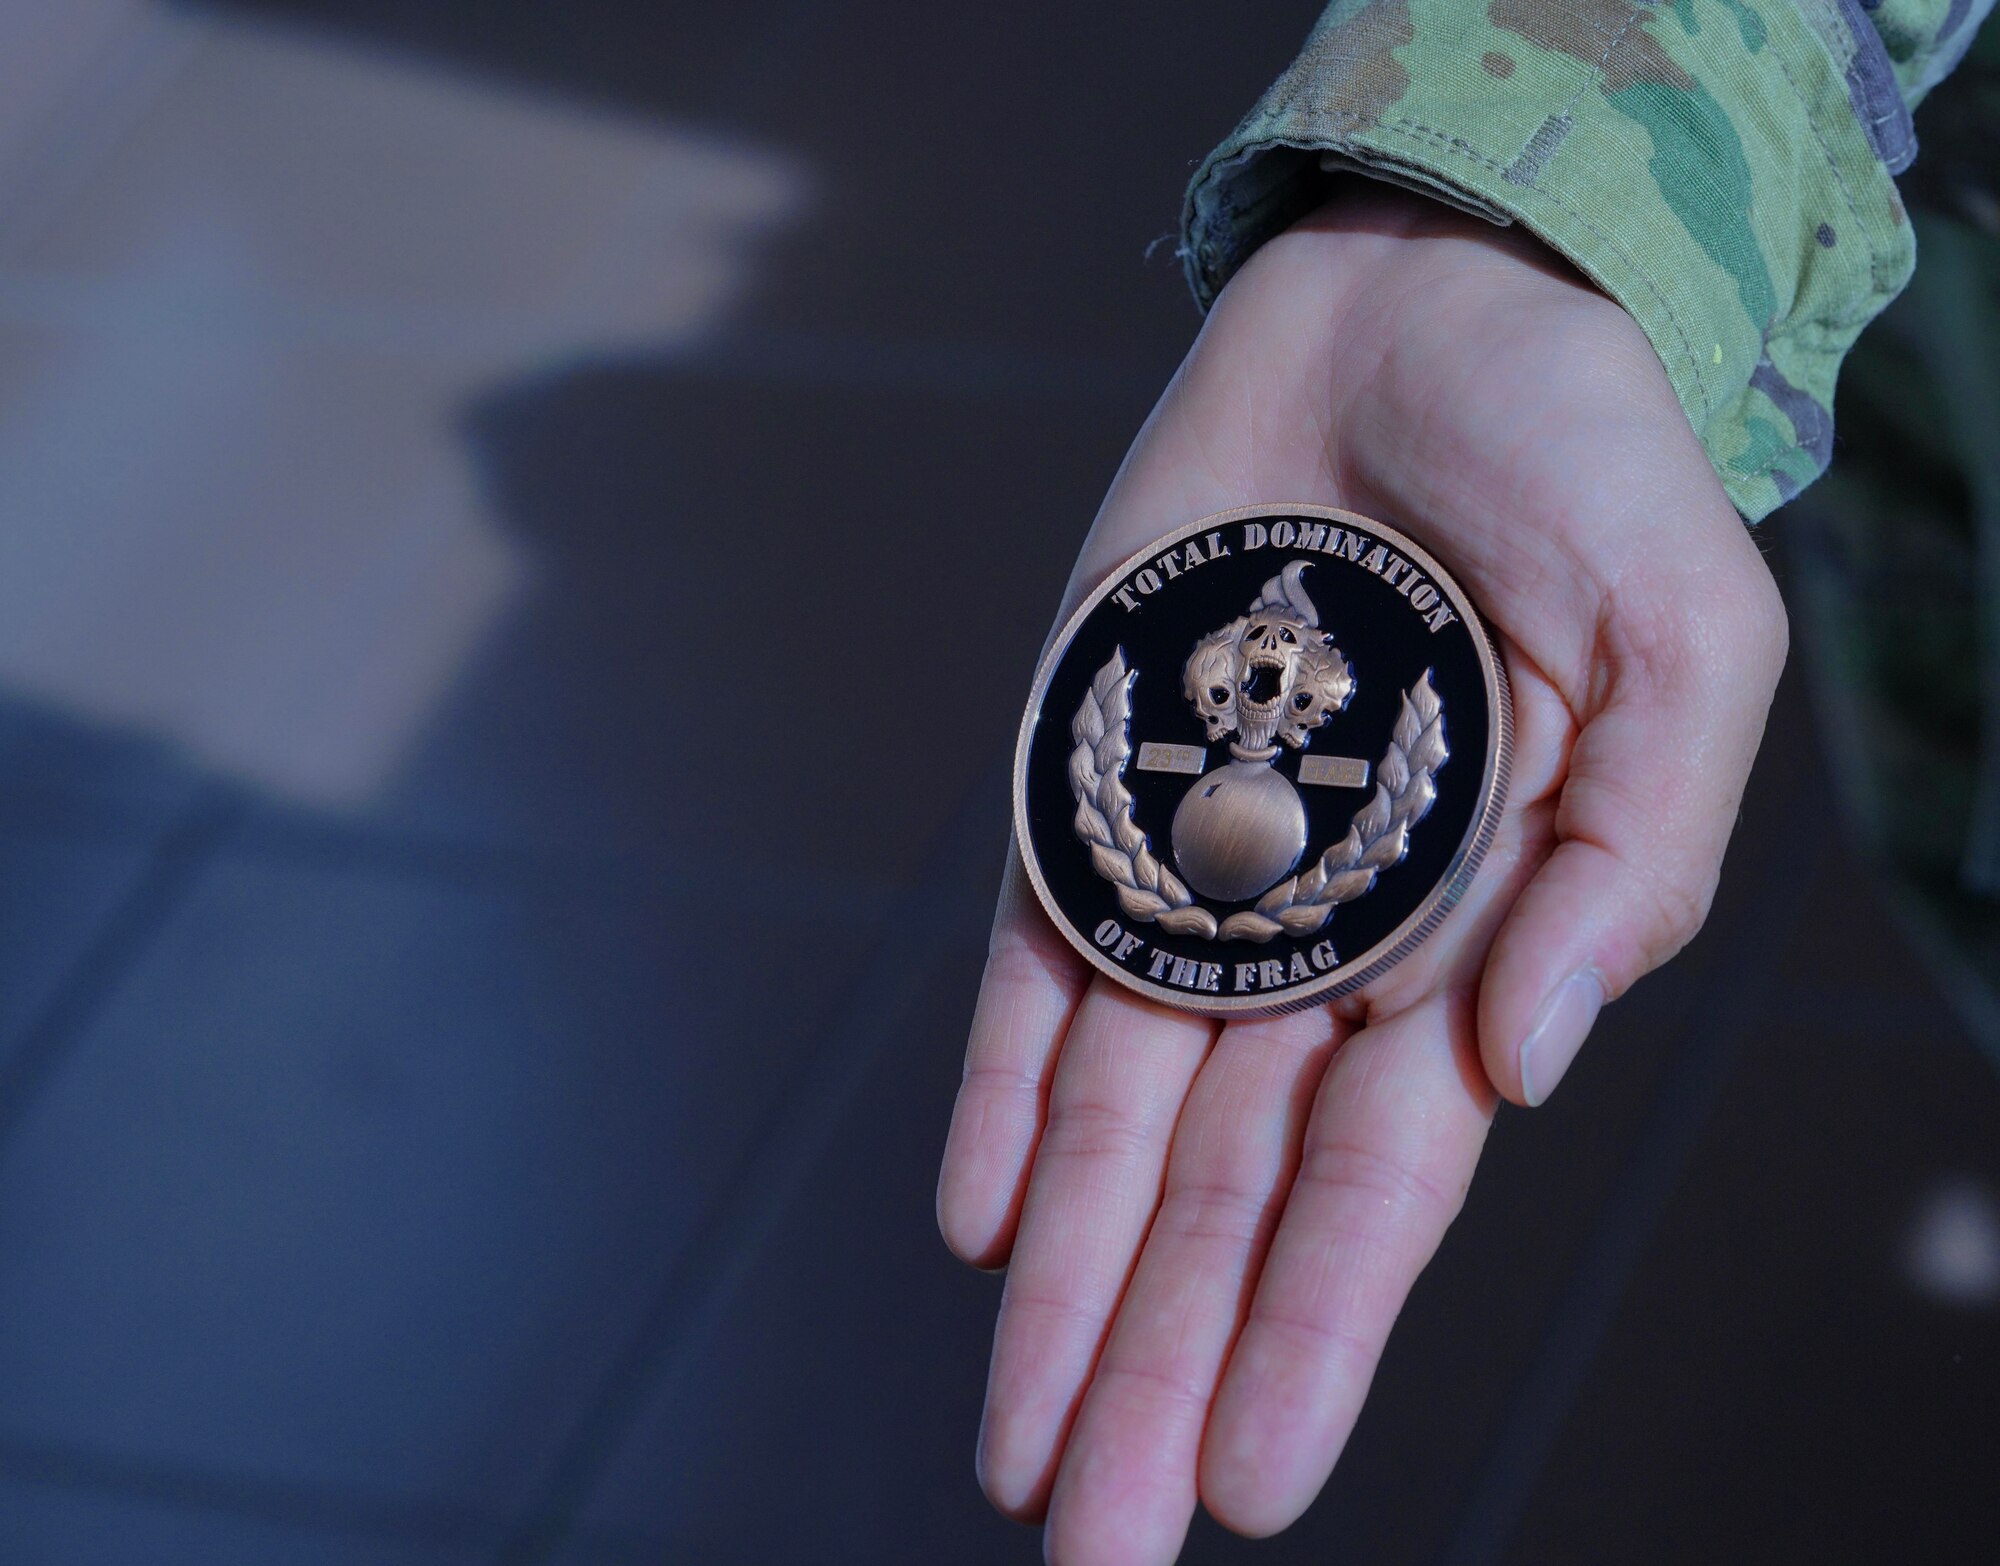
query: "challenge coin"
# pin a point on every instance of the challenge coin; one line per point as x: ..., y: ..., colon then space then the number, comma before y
x: 1263, y: 760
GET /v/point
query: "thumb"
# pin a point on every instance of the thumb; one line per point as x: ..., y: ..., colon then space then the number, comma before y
x: 1682, y: 673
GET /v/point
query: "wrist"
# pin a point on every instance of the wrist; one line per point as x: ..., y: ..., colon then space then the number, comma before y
x: 1378, y: 247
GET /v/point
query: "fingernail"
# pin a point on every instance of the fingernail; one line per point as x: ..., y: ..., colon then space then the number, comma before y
x: 1558, y: 1032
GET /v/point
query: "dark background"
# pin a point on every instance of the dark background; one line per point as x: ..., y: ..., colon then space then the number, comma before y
x: 474, y: 1097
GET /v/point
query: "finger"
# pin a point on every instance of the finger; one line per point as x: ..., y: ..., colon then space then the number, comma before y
x: 1388, y: 1153
x: 1184, y: 464
x: 1032, y: 984
x: 1685, y: 676
x: 1125, y: 1490
x: 1120, y: 1080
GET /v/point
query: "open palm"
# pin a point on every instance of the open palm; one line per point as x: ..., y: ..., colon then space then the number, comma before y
x: 1209, y: 1230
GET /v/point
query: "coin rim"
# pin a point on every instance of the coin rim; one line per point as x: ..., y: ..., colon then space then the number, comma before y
x: 1425, y: 918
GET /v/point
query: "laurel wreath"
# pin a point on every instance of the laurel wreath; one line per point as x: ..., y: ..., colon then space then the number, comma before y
x: 1378, y: 837
x: 1147, y: 890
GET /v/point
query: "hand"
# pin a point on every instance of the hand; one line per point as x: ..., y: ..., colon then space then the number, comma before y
x: 1209, y: 1231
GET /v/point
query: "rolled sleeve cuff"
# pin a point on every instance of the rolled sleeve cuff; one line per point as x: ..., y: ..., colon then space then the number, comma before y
x: 1705, y: 164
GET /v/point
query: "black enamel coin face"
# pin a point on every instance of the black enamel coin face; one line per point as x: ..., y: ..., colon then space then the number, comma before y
x: 1262, y: 761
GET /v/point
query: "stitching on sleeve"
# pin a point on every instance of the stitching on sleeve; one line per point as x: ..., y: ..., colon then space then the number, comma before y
x: 1875, y: 275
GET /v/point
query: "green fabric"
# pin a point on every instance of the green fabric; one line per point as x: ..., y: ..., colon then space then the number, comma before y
x: 1720, y: 167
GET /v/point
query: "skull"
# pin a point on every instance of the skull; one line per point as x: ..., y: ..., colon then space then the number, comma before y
x: 1272, y: 674
x: 1210, y: 680
x: 1269, y: 649
x: 1322, y: 682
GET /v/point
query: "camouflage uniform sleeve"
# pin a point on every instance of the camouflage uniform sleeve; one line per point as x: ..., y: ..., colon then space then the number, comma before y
x: 1722, y: 168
